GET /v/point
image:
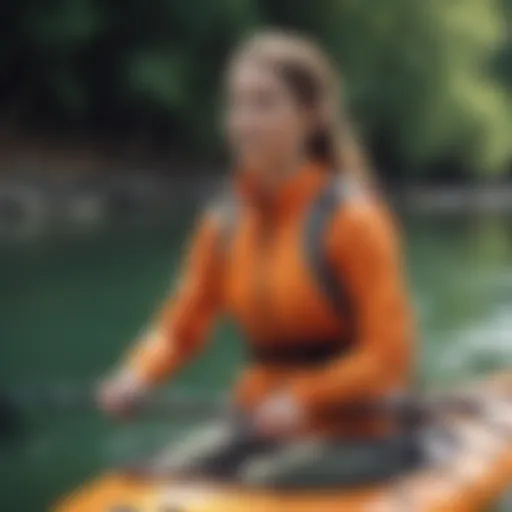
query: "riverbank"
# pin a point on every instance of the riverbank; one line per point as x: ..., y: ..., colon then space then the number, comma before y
x: 455, y: 199
x: 34, y: 203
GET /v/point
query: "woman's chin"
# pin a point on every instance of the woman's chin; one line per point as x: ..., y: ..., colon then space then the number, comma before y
x: 253, y: 166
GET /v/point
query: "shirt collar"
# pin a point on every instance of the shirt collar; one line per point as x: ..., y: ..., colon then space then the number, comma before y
x: 293, y: 193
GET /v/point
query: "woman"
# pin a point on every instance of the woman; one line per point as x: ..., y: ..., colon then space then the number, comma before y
x: 305, y: 258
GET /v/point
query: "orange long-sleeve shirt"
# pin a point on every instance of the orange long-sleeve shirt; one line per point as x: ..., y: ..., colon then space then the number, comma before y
x: 262, y: 279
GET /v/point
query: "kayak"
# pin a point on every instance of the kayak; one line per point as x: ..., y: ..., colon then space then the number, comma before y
x: 472, y: 476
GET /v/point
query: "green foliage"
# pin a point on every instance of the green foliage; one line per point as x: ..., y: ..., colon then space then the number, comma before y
x: 428, y: 80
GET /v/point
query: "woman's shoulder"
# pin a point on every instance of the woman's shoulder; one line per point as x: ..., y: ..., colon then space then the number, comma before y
x: 219, y: 215
x: 353, y: 201
x: 363, y: 213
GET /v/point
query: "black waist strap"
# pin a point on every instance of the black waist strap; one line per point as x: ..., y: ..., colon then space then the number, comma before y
x: 310, y: 353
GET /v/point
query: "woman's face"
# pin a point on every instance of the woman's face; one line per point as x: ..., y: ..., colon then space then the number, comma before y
x: 266, y: 127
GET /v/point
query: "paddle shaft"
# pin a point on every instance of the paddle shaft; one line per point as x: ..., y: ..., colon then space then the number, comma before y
x: 409, y: 409
x: 83, y: 398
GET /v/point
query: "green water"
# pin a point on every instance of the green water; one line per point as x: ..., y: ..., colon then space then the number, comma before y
x: 70, y: 303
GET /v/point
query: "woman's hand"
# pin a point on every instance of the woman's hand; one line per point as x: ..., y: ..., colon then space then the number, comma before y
x: 279, y: 416
x: 121, y: 394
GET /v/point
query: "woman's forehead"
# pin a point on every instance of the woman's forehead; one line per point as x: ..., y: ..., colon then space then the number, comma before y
x: 252, y: 72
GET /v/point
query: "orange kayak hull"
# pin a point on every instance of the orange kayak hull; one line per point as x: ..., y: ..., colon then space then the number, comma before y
x: 474, y: 478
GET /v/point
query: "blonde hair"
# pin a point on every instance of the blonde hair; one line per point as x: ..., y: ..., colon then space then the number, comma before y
x: 313, y: 81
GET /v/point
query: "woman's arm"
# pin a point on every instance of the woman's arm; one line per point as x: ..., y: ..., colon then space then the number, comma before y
x: 184, y: 322
x: 363, y: 247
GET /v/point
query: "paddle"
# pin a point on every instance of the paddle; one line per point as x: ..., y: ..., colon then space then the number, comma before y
x: 18, y: 405
x: 80, y: 398
x: 409, y: 410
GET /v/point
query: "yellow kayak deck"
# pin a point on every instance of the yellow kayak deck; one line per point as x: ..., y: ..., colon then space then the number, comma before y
x: 473, y: 478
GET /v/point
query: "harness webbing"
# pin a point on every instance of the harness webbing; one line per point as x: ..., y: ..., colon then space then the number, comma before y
x: 318, y: 221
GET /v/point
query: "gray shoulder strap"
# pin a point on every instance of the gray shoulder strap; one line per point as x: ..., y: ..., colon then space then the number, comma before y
x: 318, y: 221
x: 227, y: 210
